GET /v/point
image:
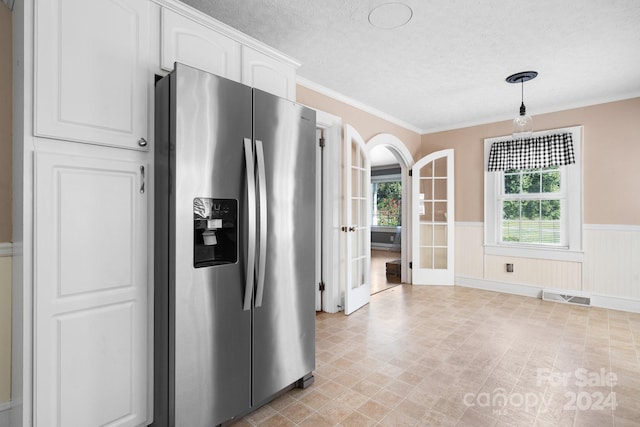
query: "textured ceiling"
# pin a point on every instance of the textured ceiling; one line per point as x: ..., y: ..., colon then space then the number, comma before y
x: 447, y: 67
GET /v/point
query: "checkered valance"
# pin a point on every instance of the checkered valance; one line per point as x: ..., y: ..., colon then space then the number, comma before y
x: 532, y: 153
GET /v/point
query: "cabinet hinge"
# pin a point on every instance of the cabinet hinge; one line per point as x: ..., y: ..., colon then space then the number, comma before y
x: 410, y: 264
x: 321, y: 286
x: 321, y: 142
x: 410, y: 172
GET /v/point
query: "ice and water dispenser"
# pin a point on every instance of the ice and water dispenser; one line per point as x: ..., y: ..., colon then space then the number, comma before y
x: 215, y: 232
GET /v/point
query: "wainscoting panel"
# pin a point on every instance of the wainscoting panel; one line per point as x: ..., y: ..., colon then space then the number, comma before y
x: 612, y: 260
x: 540, y: 272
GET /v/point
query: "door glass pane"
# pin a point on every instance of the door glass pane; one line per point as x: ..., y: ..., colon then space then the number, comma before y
x: 440, y: 167
x: 426, y: 235
x: 354, y: 212
x: 426, y: 188
x: 357, y: 182
x: 440, y: 189
x: 427, y: 170
x: 440, y: 211
x: 426, y: 257
x: 425, y: 210
x: 356, y: 269
x: 355, y: 155
x: 440, y: 235
x: 360, y: 237
x: 440, y: 258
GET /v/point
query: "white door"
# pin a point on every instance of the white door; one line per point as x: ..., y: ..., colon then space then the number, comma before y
x: 357, y: 225
x: 433, y: 219
x: 90, y: 292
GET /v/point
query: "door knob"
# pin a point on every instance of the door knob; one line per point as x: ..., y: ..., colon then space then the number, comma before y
x: 142, y: 142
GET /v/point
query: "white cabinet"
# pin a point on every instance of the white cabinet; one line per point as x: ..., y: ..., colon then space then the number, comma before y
x: 266, y: 73
x: 191, y: 43
x: 200, y: 41
x: 92, y: 74
x: 90, y: 291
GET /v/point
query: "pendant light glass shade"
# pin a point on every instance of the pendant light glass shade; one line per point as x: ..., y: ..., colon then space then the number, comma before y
x: 523, y: 123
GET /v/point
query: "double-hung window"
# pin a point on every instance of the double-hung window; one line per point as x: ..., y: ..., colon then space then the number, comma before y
x: 534, y: 211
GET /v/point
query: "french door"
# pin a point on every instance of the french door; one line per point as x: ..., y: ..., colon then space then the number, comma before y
x: 433, y: 219
x: 356, y: 225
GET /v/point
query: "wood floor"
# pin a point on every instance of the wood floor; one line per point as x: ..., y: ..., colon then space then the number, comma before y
x: 455, y: 356
x: 379, y: 270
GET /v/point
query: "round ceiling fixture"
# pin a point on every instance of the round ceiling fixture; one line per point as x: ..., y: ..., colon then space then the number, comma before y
x: 390, y: 15
x: 521, y: 77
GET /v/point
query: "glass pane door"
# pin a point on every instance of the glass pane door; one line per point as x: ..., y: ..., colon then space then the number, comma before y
x: 433, y: 219
x: 357, y: 228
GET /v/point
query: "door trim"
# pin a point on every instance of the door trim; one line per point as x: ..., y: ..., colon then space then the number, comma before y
x: 329, y: 210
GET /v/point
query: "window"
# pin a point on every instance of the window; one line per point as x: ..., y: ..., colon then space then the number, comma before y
x: 386, y: 198
x: 531, y: 204
x: 535, y: 212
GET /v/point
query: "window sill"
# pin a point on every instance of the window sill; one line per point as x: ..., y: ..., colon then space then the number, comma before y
x: 555, y: 254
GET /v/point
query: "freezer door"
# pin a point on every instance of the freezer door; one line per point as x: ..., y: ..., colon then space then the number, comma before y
x: 284, y: 313
x: 212, y: 331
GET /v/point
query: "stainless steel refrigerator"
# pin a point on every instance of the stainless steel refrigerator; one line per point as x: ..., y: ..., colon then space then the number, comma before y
x: 234, y: 248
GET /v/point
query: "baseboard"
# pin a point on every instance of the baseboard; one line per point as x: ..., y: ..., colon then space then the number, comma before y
x: 5, y: 406
x: 603, y: 301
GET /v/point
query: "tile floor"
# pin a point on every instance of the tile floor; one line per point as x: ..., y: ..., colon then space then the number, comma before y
x: 454, y: 356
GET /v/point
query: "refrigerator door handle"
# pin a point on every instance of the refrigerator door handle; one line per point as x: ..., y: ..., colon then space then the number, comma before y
x: 262, y: 193
x: 251, y: 208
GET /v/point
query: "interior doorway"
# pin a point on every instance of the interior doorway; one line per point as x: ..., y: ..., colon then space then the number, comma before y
x: 386, y: 219
x: 390, y: 212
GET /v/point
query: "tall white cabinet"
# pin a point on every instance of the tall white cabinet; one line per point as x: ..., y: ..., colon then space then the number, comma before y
x: 83, y: 191
x: 90, y: 291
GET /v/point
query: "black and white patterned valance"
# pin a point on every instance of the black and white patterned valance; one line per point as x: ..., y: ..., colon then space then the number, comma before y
x: 532, y: 153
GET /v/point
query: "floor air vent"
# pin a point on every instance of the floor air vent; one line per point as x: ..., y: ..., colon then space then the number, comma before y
x: 556, y: 296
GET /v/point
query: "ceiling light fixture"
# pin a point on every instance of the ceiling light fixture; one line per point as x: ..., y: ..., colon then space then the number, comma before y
x: 390, y: 15
x: 523, y: 123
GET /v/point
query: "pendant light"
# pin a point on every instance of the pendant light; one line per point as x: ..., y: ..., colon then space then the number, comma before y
x: 523, y: 123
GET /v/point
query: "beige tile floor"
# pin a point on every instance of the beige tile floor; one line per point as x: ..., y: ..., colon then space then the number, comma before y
x: 453, y: 356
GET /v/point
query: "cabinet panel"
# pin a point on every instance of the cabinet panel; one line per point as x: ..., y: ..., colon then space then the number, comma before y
x: 92, y: 78
x: 265, y: 73
x: 194, y: 44
x: 90, y: 291
x: 96, y: 354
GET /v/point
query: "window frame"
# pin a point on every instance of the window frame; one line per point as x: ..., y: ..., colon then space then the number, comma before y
x: 570, y: 248
x: 376, y: 179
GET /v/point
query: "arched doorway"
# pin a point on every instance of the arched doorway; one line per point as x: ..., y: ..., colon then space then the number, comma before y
x: 389, y: 155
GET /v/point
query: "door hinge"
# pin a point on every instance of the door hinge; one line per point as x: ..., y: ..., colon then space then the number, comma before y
x: 321, y: 141
x: 410, y: 264
x: 321, y: 286
x: 410, y: 172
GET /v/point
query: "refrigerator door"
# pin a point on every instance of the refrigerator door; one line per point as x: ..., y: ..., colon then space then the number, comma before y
x: 284, y: 313
x: 212, y: 365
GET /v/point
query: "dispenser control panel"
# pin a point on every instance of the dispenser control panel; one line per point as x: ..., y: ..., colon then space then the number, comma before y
x: 215, y: 232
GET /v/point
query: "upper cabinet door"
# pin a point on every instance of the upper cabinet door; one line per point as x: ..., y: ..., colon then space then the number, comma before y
x: 92, y: 74
x: 268, y: 74
x: 191, y: 43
